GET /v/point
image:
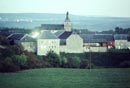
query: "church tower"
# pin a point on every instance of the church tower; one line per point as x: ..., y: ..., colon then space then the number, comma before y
x: 67, y: 23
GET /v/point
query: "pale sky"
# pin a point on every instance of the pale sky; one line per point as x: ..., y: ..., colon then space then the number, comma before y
x: 116, y: 8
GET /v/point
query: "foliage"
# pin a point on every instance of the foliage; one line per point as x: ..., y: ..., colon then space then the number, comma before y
x: 7, y: 65
x: 119, y: 30
x: 53, y: 59
x: 84, y: 63
x: 19, y: 59
x: 74, y: 62
x: 64, y: 62
x: 3, y: 40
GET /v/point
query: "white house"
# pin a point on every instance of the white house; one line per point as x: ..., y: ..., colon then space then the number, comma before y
x: 47, y: 42
x: 25, y: 40
x: 121, y: 41
x: 71, y: 43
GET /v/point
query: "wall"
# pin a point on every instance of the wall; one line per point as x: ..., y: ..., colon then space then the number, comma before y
x: 121, y: 44
x: 46, y: 45
x: 29, y: 46
x: 74, y: 44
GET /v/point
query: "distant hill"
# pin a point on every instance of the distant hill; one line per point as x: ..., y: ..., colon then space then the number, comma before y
x: 32, y: 20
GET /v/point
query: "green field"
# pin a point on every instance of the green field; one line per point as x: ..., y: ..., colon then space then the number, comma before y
x: 67, y: 78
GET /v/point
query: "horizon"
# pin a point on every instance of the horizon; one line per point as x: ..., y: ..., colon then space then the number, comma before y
x: 65, y: 13
x: 107, y: 8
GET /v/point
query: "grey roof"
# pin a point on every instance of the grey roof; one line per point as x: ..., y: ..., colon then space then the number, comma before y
x: 16, y: 36
x: 65, y: 35
x: 58, y: 33
x: 47, y: 35
x: 120, y: 36
x: 21, y: 37
x: 52, y: 26
x: 94, y: 38
x: 27, y: 38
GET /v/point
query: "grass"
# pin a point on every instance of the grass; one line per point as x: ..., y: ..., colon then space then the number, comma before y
x: 67, y: 78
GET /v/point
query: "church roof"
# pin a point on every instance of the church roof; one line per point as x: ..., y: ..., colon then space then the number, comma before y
x: 52, y: 26
x: 47, y: 35
x: 65, y: 35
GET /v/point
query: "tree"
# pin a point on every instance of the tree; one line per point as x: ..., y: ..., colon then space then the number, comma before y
x: 7, y: 65
x: 74, y: 62
x: 53, y: 59
x: 64, y: 62
x: 19, y: 59
x: 84, y: 63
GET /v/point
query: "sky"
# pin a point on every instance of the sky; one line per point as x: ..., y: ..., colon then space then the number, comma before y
x: 113, y: 8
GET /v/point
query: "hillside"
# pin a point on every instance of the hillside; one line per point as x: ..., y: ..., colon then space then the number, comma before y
x: 31, y: 20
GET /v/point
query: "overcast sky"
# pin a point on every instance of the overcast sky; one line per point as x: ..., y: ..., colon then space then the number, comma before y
x: 117, y: 8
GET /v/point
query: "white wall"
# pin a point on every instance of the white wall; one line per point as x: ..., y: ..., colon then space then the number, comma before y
x: 29, y: 46
x: 74, y: 44
x: 121, y: 44
x: 46, y: 45
x: 98, y: 49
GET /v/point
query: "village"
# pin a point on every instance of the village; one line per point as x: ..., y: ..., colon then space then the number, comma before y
x: 61, y: 38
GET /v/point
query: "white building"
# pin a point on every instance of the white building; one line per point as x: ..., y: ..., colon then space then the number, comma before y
x: 121, y: 41
x: 25, y: 40
x: 97, y: 42
x: 47, y: 42
x: 71, y: 43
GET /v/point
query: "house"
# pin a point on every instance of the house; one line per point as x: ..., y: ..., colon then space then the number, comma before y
x: 71, y: 42
x: 66, y: 26
x: 97, y: 42
x: 25, y: 40
x: 47, y: 42
x: 121, y: 41
x: 128, y: 42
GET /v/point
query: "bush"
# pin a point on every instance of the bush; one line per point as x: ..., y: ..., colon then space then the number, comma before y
x: 84, y: 63
x: 19, y: 59
x: 7, y: 65
x: 53, y: 59
x: 74, y: 62
x: 64, y: 62
x: 32, y: 61
x: 125, y: 64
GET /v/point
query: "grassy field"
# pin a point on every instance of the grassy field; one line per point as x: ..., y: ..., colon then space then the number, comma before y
x: 67, y: 78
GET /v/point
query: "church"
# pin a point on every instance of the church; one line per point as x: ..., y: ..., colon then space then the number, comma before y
x: 66, y: 26
x: 64, y: 33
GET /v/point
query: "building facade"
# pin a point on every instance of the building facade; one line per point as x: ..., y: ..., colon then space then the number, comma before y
x: 47, y: 42
x: 71, y: 43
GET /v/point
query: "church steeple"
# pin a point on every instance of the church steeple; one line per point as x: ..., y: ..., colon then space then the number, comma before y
x: 67, y: 23
x: 67, y: 16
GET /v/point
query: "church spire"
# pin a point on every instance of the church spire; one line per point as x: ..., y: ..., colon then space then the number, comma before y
x: 67, y: 16
x: 67, y: 23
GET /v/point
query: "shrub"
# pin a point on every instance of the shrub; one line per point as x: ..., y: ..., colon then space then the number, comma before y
x: 84, y: 63
x: 32, y: 61
x: 74, y: 62
x: 64, y: 62
x: 19, y: 59
x: 53, y: 59
x: 124, y: 64
x: 7, y: 65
